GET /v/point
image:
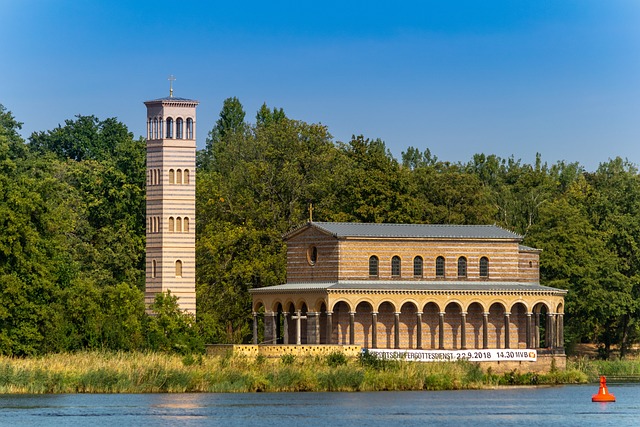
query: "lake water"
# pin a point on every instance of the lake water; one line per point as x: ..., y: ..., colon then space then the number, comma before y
x: 544, y: 406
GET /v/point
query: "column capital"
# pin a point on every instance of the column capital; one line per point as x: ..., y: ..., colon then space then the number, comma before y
x: 397, y: 313
x: 374, y: 312
x: 329, y: 313
x: 507, y: 313
x: 419, y: 313
x: 464, y: 313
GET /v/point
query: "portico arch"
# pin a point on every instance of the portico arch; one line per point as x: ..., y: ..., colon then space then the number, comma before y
x: 430, y: 326
x: 386, y: 325
x: 341, y: 329
x: 496, y: 324
x: 363, y: 324
x: 475, y: 325
x: 453, y: 332
x: 408, y: 325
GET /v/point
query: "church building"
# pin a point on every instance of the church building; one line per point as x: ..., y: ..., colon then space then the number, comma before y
x: 410, y: 286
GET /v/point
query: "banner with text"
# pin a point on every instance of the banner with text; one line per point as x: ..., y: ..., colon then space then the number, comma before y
x: 488, y: 355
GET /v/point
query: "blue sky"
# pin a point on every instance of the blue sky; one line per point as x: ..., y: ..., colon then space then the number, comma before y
x: 504, y: 77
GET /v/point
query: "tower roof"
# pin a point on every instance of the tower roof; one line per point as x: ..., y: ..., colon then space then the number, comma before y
x: 174, y: 101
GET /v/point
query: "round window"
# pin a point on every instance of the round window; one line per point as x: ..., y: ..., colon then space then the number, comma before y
x: 312, y: 255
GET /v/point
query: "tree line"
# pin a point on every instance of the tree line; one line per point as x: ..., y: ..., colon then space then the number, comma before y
x: 72, y: 215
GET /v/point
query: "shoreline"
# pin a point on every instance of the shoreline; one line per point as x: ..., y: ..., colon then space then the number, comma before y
x: 122, y: 372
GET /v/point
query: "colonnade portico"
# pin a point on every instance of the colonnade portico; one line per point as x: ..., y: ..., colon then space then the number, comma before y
x: 472, y: 319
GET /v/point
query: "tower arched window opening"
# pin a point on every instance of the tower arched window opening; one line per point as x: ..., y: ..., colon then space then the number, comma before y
x: 155, y: 128
x: 179, y: 176
x: 169, y: 127
x: 172, y: 177
x: 185, y: 224
x: 171, y: 225
x: 178, y: 224
x: 185, y: 176
x: 154, y: 268
x: 178, y: 268
x: 179, y: 124
x: 189, y: 128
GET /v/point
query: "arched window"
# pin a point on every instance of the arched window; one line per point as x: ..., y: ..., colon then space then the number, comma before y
x: 179, y: 176
x: 171, y: 225
x: 155, y: 128
x: 150, y: 128
x: 417, y: 266
x: 462, y: 267
x: 373, y: 266
x: 154, y: 268
x: 189, y: 128
x: 185, y: 176
x: 395, y: 266
x: 185, y: 224
x: 179, y: 225
x: 178, y: 268
x: 169, y: 127
x: 172, y: 178
x: 484, y: 267
x: 178, y: 128
x: 440, y: 266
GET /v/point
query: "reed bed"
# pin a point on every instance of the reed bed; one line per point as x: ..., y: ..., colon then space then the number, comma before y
x: 105, y: 372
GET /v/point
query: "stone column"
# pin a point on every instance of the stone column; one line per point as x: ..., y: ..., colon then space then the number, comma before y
x: 285, y: 329
x: 463, y: 330
x: 560, y: 333
x: 396, y: 330
x: 419, y: 330
x: 255, y: 328
x: 329, y: 327
x: 269, y: 328
x: 485, y: 330
x: 536, y: 330
x: 352, y: 332
x: 312, y: 327
x: 549, y: 333
x: 298, y: 318
x: 529, y: 337
x: 507, y: 318
x: 441, y: 331
x: 374, y: 329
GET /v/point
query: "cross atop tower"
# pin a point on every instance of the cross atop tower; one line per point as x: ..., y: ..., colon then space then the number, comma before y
x: 171, y: 80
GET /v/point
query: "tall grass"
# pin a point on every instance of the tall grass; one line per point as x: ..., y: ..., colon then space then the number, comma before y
x: 105, y: 372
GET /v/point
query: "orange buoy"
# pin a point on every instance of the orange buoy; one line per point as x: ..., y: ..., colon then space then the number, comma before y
x: 603, y: 394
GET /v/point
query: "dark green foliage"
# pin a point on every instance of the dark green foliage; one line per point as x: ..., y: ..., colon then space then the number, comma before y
x: 337, y: 358
x: 72, y: 222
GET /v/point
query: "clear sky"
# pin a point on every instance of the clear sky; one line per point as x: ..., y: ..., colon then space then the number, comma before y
x: 504, y: 77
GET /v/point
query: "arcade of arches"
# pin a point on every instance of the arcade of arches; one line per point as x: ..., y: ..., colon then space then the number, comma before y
x: 411, y: 320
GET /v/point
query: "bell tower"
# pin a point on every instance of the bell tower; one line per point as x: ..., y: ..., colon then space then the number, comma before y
x: 171, y: 199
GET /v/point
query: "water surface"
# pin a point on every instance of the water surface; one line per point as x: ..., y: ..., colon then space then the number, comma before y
x: 544, y: 406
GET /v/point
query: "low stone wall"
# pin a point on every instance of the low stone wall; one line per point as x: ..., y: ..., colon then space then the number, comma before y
x: 543, y: 364
x: 267, y: 350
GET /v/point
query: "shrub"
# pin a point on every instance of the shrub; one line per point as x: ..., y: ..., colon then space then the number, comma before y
x: 336, y: 358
